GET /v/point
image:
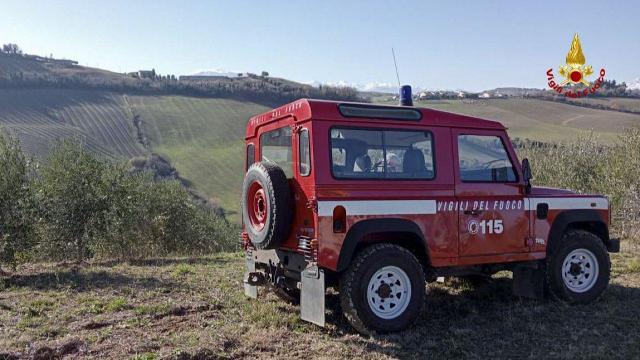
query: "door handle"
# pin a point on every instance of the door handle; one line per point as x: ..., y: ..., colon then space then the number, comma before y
x: 473, y: 212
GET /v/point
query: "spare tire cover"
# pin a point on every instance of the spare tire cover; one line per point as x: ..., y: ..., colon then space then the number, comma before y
x: 266, y: 205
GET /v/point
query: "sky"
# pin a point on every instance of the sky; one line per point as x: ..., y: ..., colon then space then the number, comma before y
x: 473, y: 45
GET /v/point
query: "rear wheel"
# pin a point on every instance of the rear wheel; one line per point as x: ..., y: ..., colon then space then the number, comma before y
x: 383, y: 290
x: 578, y: 270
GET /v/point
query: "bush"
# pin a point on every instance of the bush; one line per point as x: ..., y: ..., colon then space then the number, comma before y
x: 92, y: 208
x: 16, y: 203
x: 71, y: 202
x: 586, y: 166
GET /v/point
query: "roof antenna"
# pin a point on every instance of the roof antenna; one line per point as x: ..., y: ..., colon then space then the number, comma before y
x: 406, y: 99
x: 396, y: 65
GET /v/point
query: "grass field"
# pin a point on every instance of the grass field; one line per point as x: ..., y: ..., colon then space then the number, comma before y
x: 621, y: 104
x: 101, y: 120
x: 195, y: 309
x: 540, y: 120
x: 203, y: 138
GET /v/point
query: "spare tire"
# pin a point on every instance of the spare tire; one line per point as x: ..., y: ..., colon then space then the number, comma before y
x: 266, y: 205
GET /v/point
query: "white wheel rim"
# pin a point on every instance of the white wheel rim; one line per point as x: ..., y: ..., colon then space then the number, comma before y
x: 580, y: 270
x: 389, y: 292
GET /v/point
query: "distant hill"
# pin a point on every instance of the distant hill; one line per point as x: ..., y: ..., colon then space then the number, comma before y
x: 27, y: 71
x: 101, y: 120
x: 542, y: 120
x: 515, y: 91
x: 198, y: 126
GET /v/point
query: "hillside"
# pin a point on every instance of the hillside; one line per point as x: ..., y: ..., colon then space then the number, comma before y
x: 30, y: 65
x: 99, y: 119
x: 631, y: 105
x: 203, y: 139
x: 539, y: 119
x: 198, y: 125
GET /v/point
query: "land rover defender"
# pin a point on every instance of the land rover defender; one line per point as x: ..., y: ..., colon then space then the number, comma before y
x: 377, y: 200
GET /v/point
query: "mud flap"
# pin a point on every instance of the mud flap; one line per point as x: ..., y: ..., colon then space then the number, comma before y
x: 312, y: 295
x: 250, y: 290
x: 528, y: 282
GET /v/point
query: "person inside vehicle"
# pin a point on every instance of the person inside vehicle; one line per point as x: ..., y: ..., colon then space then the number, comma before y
x: 393, y: 163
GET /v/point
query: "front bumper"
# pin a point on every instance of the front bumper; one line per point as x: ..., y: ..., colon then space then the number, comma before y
x: 613, y: 245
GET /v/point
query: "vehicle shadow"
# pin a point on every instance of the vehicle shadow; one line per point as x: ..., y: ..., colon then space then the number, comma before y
x: 488, y: 321
x: 159, y: 262
x: 85, y: 280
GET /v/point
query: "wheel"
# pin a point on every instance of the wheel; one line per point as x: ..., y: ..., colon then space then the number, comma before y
x: 578, y: 269
x: 266, y: 205
x: 383, y: 290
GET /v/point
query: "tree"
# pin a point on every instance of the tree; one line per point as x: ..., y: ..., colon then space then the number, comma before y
x: 16, y: 203
x: 265, y: 74
x: 71, y: 201
x: 13, y: 49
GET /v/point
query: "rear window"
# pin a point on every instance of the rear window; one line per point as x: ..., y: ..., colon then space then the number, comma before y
x: 275, y: 147
x: 382, y: 154
x: 251, y: 156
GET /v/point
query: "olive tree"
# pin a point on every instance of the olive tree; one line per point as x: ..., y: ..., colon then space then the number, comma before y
x: 71, y: 201
x: 16, y: 202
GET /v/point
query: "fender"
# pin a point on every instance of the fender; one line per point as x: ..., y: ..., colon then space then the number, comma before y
x: 372, y: 226
x: 566, y: 218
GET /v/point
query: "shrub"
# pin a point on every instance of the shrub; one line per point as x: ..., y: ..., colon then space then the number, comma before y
x: 71, y: 202
x: 16, y: 202
x: 586, y: 166
x: 147, y: 217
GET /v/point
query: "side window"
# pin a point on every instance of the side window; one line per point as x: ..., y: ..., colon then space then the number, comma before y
x: 275, y: 147
x: 484, y: 159
x: 388, y: 154
x: 408, y: 154
x: 251, y: 155
x: 304, y: 153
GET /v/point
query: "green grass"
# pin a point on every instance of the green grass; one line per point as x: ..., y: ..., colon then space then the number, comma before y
x: 39, y: 117
x: 203, y: 138
x: 540, y: 120
x: 620, y: 104
x: 183, y: 269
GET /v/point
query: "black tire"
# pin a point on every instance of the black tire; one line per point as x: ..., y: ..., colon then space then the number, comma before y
x: 278, y: 206
x: 354, y: 283
x: 578, y: 240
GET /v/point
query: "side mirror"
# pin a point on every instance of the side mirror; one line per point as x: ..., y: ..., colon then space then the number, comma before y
x: 526, y: 172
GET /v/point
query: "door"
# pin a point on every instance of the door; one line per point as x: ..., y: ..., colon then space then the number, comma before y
x: 492, y: 216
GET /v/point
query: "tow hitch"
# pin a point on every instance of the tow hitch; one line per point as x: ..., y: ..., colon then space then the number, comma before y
x: 255, y: 278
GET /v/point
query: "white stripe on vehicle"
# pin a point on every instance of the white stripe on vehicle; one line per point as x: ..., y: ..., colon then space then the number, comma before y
x: 378, y: 207
x: 571, y: 203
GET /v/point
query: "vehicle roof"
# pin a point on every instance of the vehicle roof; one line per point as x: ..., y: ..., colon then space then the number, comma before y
x: 325, y: 110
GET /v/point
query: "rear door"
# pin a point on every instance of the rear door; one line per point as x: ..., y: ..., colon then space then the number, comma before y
x: 492, y: 215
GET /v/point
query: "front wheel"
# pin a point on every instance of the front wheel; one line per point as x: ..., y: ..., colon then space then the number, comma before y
x: 578, y: 270
x: 383, y: 290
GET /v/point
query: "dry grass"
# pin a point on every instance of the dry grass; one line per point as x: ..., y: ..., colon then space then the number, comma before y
x: 194, y: 309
